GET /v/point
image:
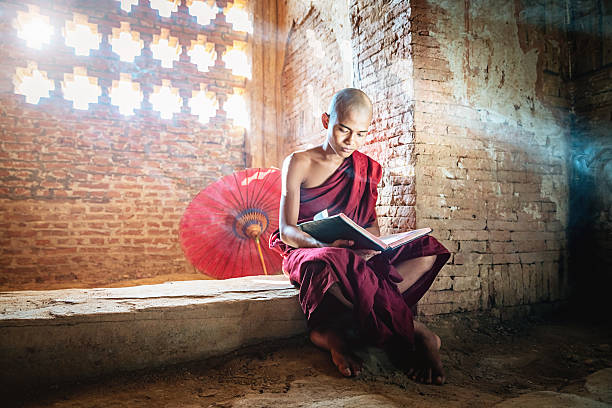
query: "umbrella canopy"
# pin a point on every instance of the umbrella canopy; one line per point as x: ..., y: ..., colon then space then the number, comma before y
x: 224, y: 231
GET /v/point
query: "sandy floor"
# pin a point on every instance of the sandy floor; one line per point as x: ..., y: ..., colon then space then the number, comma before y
x: 485, y: 363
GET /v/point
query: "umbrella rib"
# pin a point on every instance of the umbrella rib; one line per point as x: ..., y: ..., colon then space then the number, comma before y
x: 240, y: 191
x: 255, y: 195
x: 228, y: 269
x: 202, y: 249
x: 265, y: 183
x: 204, y: 237
x: 215, y: 206
x: 243, y: 266
x: 246, y: 190
x: 245, y: 269
x: 222, y: 187
x: 253, y: 262
x: 268, y: 202
x: 258, y: 193
x: 230, y: 193
x: 224, y: 268
x: 214, y: 270
x: 266, y: 199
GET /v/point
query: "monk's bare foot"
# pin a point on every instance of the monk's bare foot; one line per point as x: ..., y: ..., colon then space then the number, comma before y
x: 348, y: 364
x: 428, y: 367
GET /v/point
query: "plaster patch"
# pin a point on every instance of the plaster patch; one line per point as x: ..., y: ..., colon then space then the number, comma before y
x: 533, y: 210
x: 448, y: 174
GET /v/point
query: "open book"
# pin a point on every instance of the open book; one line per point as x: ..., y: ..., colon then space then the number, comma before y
x: 339, y: 226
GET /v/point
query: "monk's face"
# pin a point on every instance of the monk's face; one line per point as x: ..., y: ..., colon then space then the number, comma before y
x: 348, y: 130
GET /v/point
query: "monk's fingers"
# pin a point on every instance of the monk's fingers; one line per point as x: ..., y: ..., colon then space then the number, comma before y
x: 342, y: 243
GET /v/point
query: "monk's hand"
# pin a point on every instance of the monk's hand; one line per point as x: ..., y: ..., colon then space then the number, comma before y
x: 342, y: 243
x: 366, y: 253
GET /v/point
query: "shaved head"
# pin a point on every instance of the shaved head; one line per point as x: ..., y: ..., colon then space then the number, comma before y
x: 349, y: 100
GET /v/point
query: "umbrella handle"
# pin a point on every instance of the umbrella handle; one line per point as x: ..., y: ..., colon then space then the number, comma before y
x: 263, y: 264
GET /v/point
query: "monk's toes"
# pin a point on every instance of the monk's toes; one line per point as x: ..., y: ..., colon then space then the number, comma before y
x: 347, y: 366
x: 344, y: 369
x: 356, y: 368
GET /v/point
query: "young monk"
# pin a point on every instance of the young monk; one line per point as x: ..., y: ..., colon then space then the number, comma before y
x: 375, y: 290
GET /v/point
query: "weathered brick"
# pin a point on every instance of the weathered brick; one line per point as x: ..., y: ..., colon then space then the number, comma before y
x: 463, y: 283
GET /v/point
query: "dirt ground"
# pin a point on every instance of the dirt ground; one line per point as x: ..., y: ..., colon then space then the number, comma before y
x: 485, y: 362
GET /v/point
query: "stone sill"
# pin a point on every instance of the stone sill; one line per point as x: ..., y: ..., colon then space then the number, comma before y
x: 63, y: 335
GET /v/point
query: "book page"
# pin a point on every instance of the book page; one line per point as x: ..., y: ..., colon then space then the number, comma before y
x: 396, y: 239
x: 390, y: 239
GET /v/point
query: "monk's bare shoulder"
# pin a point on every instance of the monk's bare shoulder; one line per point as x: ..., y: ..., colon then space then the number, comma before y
x: 300, y: 162
x: 295, y: 168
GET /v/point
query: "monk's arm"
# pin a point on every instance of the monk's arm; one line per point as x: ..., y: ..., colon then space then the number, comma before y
x: 294, y: 171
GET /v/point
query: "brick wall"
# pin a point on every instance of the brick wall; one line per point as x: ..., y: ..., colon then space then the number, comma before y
x: 93, y: 197
x: 491, y: 123
x: 591, y: 159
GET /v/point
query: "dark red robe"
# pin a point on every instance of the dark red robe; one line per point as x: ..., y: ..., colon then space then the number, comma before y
x: 380, y: 311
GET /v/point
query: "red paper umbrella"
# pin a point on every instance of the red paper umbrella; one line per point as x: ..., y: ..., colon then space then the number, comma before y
x: 224, y: 231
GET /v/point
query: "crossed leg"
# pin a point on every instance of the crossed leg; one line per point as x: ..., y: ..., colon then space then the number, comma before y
x: 427, y: 367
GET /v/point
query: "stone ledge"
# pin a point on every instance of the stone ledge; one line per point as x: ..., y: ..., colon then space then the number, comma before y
x: 63, y: 335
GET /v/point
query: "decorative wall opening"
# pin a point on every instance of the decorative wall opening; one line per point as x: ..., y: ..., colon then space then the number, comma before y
x: 126, y: 43
x: 82, y: 35
x: 236, y: 108
x: 202, y: 53
x: 203, y: 11
x: 237, y: 14
x: 236, y: 59
x: 126, y: 95
x: 126, y: 5
x: 166, y: 48
x: 80, y: 88
x: 203, y: 104
x: 166, y: 99
x: 32, y: 83
x: 33, y: 27
x: 164, y: 7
